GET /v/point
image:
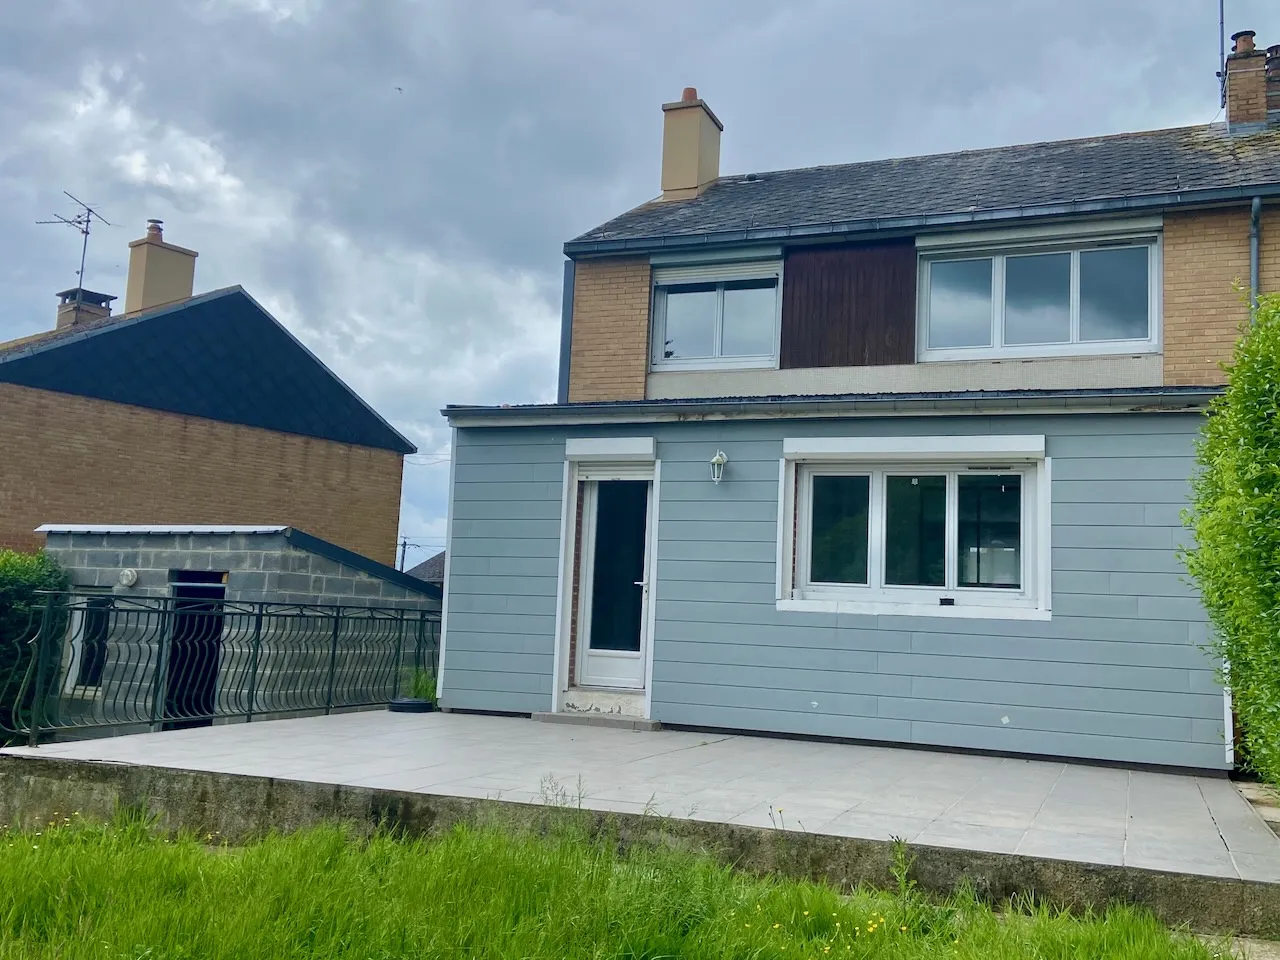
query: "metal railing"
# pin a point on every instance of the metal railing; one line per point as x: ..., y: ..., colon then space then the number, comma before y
x: 111, y: 661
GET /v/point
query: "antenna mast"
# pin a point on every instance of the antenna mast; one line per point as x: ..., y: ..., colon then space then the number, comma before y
x: 83, y: 223
x: 1222, y: 54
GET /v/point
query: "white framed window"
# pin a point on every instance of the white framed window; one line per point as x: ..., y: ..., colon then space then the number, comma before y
x: 1041, y: 297
x: 716, y: 315
x: 916, y: 527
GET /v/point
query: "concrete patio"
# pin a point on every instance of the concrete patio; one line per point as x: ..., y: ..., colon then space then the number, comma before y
x: 1182, y: 824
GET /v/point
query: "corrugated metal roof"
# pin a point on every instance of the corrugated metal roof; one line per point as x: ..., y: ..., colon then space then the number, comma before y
x: 1178, y: 165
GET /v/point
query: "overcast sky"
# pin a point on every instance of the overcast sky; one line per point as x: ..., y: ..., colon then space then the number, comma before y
x: 393, y: 179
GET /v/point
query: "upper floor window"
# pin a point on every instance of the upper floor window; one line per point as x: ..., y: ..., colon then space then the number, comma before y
x: 1087, y: 297
x: 718, y: 315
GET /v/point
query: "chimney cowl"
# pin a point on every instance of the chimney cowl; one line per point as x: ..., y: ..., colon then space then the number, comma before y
x: 155, y: 228
x: 1242, y: 41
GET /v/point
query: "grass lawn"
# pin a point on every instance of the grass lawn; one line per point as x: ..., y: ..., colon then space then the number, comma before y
x: 76, y: 890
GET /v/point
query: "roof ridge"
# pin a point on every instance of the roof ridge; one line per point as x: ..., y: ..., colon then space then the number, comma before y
x: 1128, y: 135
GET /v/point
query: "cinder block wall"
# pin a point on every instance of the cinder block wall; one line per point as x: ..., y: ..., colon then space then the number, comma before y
x: 259, y: 567
x: 68, y: 459
x: 610, y: 346
x: 1205, y: 253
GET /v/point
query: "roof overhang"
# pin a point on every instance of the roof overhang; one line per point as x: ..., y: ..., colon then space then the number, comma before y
x: 1119, y: 400
x: 880, y: 226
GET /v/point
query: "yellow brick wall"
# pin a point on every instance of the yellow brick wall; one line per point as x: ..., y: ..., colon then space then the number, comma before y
x: 68, y: 459
x: 610, y: 343
x: 1205, y: 254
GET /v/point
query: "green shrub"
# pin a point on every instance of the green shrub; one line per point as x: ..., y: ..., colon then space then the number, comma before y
x: 22, y: 577
x: 1236, y: 521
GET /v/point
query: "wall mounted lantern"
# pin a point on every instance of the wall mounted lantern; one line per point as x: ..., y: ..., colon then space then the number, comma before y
x: 717, y: 466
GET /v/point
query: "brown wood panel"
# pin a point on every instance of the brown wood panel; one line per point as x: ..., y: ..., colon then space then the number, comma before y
x: 852, y: 305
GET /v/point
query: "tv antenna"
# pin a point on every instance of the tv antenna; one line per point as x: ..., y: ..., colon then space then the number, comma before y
x: 82, y: 222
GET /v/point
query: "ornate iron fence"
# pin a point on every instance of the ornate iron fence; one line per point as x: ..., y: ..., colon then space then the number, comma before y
x: 107, y: 660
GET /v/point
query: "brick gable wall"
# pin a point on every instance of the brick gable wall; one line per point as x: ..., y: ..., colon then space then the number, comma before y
x: 70, y: 459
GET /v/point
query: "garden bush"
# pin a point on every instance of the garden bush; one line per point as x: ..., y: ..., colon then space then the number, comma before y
x: 1235, y: 517
x: 22, y: 577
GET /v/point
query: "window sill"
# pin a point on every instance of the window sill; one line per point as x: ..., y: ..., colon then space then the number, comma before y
x: 751, y: 363
x: 1099, y: 349
x: 890, y: 608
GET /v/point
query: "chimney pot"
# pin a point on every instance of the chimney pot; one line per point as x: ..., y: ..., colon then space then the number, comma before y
x: 689, y: 95
x: 1242, y: 41
x: 155, y: 228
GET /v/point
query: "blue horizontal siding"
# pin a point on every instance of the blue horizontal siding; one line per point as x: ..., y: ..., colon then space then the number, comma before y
x: 1117, y: 673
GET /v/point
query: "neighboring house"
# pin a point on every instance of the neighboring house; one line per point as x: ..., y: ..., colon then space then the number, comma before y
x: 891, y: 451
x: 431, y: 570
x: 190, y: 410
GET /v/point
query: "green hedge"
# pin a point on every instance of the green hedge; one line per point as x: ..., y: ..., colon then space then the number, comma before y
x: 1236, y: 521
x: 22, y: 576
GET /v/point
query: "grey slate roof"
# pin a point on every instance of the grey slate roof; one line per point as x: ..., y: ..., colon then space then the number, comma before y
x: 218, y: 356
x: 1181, y: 164
x: 430, y: 570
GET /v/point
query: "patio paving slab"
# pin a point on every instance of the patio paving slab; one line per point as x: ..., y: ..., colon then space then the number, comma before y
x: 1063, y: 811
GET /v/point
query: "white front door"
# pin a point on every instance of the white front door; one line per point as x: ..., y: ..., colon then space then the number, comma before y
x: 613, y: 587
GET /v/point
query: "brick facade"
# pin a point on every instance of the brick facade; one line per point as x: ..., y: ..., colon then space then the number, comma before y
x: 610, y: 346
x: 70, y: 459
x: 1206, y: 254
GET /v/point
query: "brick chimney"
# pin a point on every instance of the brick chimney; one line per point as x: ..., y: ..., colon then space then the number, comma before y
x: 159, y: 272
x: 1246, y: 80
x: 690, y: 146
x: 76, y: 306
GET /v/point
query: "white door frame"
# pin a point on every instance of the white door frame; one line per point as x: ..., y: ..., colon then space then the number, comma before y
x: 609, y: 466
x: 591, y: 479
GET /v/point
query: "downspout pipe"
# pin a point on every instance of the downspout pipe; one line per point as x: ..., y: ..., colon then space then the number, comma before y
x: 1255, y: 240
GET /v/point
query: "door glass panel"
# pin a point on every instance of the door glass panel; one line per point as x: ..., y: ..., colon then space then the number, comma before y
x: 750, y: 307
x: 990, y: 543
x: 915, y: 531
x: 617, y: 596
x: 1114, y: 294
x: 838, y: 552
x: 960, y: 303
x: 1037, y: 298
x: 690, y: 328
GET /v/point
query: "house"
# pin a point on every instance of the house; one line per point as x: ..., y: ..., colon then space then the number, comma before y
x: 431, y: 570
x: 188, y: 410
x: 891, y: 451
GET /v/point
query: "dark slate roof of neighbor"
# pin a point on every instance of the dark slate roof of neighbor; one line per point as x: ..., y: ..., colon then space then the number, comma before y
x: 1151, y: 169
x: 219, y: 356
x: 430, y: 570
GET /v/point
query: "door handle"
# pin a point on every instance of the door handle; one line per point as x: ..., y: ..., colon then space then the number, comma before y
x: 640, y: 583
